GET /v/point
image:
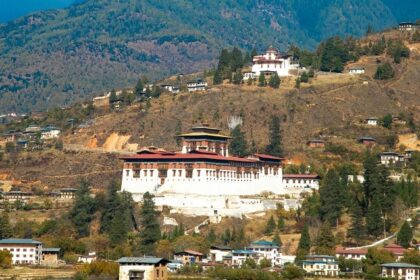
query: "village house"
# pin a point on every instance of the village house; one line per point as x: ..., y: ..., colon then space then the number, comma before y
x: 50, y: 132
x: 17, y: 195
x: 50, y: 256
x: 367, y: 141
x: 196, y: 85
x: 170, y: 88
x: 300, y: 182
x: 316, y: 143
x: 147, y: 268
x: 249, y: 75
x: 240, y: 256
x: 353, y: 254
x: 407, y: 26
x: 392, y: 158
x: 400, y: 271
x: 33, y: 128
x: 372, y: 121
x: 356, y: 70
x: 217, y: 252
x: 23, y: 251
x: 272, y: 62
x: 89, y: 258
x: 397, y: 120
x: 174, y: 266
x: 320, y: 265
x: 396, y: 250
x: 188, y: 257
x: 266, y: 250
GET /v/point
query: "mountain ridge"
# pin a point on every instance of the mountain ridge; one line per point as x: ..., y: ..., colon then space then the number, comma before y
x: 57, y: 57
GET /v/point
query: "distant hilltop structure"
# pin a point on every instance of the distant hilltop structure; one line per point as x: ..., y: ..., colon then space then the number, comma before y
x: 408, y: 26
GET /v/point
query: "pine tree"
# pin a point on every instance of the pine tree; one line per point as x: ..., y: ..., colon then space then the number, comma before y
x: 226, y: 237
x: 304, y: 78
x: 211, y: 236
x: 83, y: 209
x: 138, y: 90
x: 384, y: 72
x: 261, y: 80
x: 217, y: 78
x: 371, y: 176
x: 5, y: 227
x: 277, y: 240
x: 237, y: 77
x: 405, y: 235
x: 331, y: 204
x: 357, y: 229
x: 253, y: 53
x: 304, y: 245
x: 150, y: 229
x: 274, y: 147
x: 374, y: 219
x: 274, y: 81
x: 238, y: 144
x: 270, y: 227
x: 280, y: 224
x: 224, y: 65
x: 236, y: 60
x: 113, y: 96
x: 325, y: 241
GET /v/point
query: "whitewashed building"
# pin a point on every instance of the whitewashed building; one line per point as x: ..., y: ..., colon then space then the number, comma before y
x: 372, y: 121
x: 266, y: 250
x: 50, y: 132
x: 356, y: 70
x: 320, y: 265
x: 296, y: 184
x: 196, y: 85
x: 272, y: 62
x: 408, y: 26
x: 353, y: 254
x: 202, y: 178
x: 171, y: 88
x: 147, y: 268
x: 23, y: 251
x: 389, y: 158
x: 217, y: 252
x: 249, y: 75
x: 400, y: 271
x: 240, y: 256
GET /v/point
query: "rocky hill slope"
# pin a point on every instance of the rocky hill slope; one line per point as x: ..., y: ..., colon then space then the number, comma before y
x: 56, y: 57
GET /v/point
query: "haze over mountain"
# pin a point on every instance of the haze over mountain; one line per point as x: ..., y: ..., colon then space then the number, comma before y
x: 12, y: 9
x: 56, y: 57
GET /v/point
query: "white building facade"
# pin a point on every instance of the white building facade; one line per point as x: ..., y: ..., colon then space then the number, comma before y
x: 272, y: 61
x: 23, y: 251
x: 202, y: 177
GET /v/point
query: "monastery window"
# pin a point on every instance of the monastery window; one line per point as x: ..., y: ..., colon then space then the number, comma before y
x: 207, y: 173
x: 198, y: 173
x: 127, y: 173
x: 189, y: 173
x: 173, y: 173
x: 163, y: 173
x: 136, y: 173
x: 145, y: 172
x: 151, y: 173
x: 179, y: 173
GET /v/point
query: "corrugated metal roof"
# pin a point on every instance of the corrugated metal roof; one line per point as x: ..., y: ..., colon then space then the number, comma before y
x: 19, y: 241
x: 146, y: 260
x: 398, y: 265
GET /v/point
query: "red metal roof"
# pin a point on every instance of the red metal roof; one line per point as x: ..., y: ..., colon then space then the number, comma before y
x: 300, y: 176
x: 264, y: 156
x: 395, y: 249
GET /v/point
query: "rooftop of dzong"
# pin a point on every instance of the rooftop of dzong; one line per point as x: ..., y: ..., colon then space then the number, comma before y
x: 300, y: 176
x: 19, y: 241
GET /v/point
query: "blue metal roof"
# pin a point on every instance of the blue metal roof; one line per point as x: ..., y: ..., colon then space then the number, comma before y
x: 147, y: 260
x: 400, y: 265
x: 245, y: 252
x: 19, y: 241
x: 264, y: 243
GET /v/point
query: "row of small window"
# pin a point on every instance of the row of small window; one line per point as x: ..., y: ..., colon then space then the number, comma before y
x: 18, y: 250
x: 298, y: 181
x: 23, y: 256
x: 322, y: 266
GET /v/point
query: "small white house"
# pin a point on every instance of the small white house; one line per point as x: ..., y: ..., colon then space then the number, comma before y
x: 356, y: 70
x: 272, y: 62
x: 171, y: 88
x: 372, y: 121
x: 400, y: 271
x: 353, y: 254
x: 388, y: 158
x: 266, y: 250
x: 240, y: 256
x: 320, y: 265
x: 50, y: 132
x: 89, y: 258
x: 147, y: 268
x: 217, y: 252
x: 407, y: 26
x: 249, y: 75
x: 196, y: 85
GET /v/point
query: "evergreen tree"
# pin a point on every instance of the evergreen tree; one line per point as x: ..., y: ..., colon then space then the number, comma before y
x: 111, y: 205
x: 274, y: 81
x: 387, y: 121
x: 236, y: 60
x: 384, y: 72
x: 277, y: 240
x: 217, y: 78
x: 83, y: 209
x: 270, y: 227
x: 238, y: 144
x: 330, y: 194
x: 237, y: 77
x: 113, y: 96
x: 357, y: 229
x: 178, y: 131
x: 297, y: 84
x: 371, y: 176
x: 261, y: 80
x: 138, y: 90
x: 226, y: 237
x: 224, y: 65
x: 274, y: 147
x: 304, y: 245
x: 325, y: 242
x: 150, y: 229
x: 211, y: 236
x: 304, y: 78
x: 374, y: 219
x: 405, y: 235
x: 280, y: 224
x: 253, y: 53
x: 5, y: 227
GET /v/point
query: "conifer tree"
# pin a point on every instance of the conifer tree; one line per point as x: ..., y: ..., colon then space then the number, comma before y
x: 150, y: 229
x: 304, y: 78
x: 331, y: 204
x: 237, y: 77
x: 83, y: 209
x: 274, y: 81
x: 270, y: 227
x: 261, y: 80
x: 236, y: 59
x: 226, y: 237
x: 277, y: 240
x: 211, y: 236
x: 325, y: 241
x: 238, y: 144
x: 357, y: 229
x: 253, y: 53
x: 374, y: 219
x: 274, y: 147
x: 138, y: 90
x: 304, y: 245
x: 217, y: 78
x: 405, y: 235
x: 5, y: 227
x: 113, y: 96
x: 280, y: 224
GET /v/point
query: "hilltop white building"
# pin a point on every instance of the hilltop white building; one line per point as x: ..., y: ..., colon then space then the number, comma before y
x: 272, y: 61
x: 202, y: 179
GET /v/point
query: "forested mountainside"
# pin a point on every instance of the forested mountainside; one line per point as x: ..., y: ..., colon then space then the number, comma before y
x: 56, y: 57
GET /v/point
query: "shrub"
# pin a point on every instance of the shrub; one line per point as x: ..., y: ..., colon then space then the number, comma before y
x: 384, y: 72
x: 5, y: 259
